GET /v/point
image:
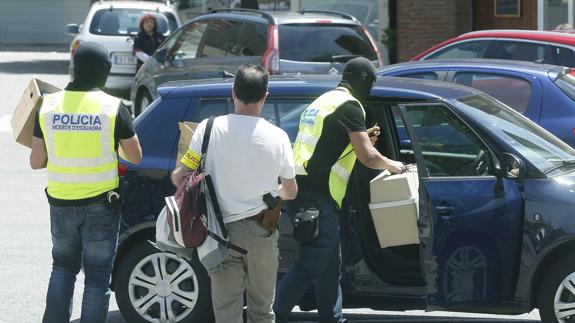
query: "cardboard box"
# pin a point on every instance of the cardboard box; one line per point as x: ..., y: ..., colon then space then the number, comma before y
x: 187, y: 130
x: 25, y: 114
x: 394, y: 208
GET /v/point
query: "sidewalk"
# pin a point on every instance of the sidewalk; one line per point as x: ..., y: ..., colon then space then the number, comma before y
x: 37, y: 48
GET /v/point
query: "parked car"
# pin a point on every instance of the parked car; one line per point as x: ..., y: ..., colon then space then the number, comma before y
x: 543, y: 93
x: 557, y: 48
x: 216, y: 43
x: 114, y: 24
x: 496, y: 204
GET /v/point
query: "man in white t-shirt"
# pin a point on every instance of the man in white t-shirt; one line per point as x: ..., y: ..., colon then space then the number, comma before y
x: 246, y: 155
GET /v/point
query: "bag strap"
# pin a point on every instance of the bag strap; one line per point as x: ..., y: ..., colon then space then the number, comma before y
x: 216, y: 205
x: 207, y: 133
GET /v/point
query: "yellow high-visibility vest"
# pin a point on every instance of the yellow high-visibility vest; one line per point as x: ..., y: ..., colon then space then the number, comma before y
x: 310, y: 128
x: 78, y: 130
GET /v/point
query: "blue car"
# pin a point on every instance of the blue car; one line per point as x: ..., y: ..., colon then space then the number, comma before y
x: 543, y: 93
x: 496, y: 201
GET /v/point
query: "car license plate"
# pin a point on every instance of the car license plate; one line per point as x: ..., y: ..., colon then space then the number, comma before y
x: 124, y: 59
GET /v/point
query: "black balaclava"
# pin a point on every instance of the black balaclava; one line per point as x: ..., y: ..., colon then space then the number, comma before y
x: 91, y: 67
x: 358, y: 77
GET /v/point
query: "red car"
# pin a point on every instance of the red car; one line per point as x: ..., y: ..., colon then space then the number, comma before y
x: 557, y: 48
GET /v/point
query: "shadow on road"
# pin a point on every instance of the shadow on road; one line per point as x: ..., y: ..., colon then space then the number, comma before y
x: 116, y: 317
x: 56, y: 66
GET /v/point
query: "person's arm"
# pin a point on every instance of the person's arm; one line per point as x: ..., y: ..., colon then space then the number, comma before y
x: 287, y: 190
x: 352, y: 118
x: 125, y: 134
x: 369, y: 156
x: 38, y: 155
x: 191, y: 160
x: 142, y: 56
x: 131, y: 150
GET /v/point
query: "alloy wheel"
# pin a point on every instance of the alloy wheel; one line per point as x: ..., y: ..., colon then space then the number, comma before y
x: 564, y: 302
x: 163, y: 288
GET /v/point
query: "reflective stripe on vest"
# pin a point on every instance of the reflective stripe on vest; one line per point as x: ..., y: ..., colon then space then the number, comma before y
x: 78, y: 130
x: 310, y: 129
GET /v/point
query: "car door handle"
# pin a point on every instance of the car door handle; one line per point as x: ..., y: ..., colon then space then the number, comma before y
x: 444, y: 210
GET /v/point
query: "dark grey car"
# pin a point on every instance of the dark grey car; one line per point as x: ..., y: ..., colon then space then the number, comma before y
x: 216, y: 43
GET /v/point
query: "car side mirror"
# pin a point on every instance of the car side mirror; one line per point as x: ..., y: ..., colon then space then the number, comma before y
x: 161, y: 55
x: 72, y: 29
x: 512, y: 167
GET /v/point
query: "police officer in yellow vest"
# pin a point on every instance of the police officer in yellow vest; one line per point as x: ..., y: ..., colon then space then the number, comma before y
x: 76, y: 137
x: 332, y: 134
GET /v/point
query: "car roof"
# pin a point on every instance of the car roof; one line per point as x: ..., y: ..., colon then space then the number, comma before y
x: 550, y: 36
x: 149, y: 5
x: 478, y: 63
x: 314, y: 85
x: 283, y: 17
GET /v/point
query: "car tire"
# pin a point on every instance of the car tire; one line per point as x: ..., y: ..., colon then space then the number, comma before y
x: 154, y: 286
x: 143, y: 99
x: 558, y: 288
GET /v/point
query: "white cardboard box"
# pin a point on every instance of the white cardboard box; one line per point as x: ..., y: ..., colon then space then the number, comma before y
x: 394, y: 208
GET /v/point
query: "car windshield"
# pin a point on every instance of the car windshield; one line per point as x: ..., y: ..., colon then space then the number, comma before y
x: 566, y: 82
x: 541, y: 148
x: 124, y: 22
x: 323, y: 43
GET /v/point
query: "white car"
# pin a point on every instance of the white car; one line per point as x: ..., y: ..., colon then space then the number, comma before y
x: 114, y: 25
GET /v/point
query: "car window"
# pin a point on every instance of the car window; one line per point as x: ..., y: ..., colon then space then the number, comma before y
x: 424, y: 76
x: 323, y: 43
x: 563, y: 56
x: 523, y: 51
x: 186, y: 44
x: 123, y: 22
x: 220, y: 38
x: 566, y: 83
x: 285, y: 113
x: 448, y: 145
x: 513, y: 91
x: 251, y: 41
x: 468, y: 49
x: 213, y: 107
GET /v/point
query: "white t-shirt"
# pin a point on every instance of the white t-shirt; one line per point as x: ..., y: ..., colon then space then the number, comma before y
x: 246, y: 156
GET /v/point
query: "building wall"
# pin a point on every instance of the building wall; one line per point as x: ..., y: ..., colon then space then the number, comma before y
x: 39, y: 22
x: 422, y: 24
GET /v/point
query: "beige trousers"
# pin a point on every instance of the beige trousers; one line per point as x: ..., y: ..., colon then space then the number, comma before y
x: 254, y: 273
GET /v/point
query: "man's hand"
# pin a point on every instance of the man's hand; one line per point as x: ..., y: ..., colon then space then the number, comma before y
x: 373, y: 133
x: 396, y: 167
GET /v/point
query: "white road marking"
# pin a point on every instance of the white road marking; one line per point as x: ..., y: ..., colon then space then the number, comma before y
x: 5, y: 125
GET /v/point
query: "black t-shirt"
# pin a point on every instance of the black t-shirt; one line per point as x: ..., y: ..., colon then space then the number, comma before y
x: 124, y: 129
x: 146, y: 43
x: 334, y: 138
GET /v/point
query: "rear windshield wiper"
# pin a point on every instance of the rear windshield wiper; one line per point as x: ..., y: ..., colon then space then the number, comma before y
x: 562, y: 163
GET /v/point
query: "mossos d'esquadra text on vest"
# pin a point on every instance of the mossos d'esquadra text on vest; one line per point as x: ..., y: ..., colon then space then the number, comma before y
x: 76, y: 122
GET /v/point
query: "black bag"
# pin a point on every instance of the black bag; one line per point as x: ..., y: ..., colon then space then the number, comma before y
x: 306, y: 224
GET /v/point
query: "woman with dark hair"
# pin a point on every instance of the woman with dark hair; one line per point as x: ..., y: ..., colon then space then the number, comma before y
x: 147, y: 40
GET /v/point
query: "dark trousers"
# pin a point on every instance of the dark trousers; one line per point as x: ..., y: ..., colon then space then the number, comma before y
x: 318, y: 262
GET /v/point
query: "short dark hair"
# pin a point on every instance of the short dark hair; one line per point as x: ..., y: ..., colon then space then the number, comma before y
x: 251, y: 83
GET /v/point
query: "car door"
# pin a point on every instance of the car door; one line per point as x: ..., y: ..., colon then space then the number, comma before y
x: 227, y: 45
x: 469, y: 219
x: 181, y: 52
x: 521, y: 92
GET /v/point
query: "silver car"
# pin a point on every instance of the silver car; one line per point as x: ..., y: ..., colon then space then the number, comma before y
x: 114, y: 24
x: 285, y: 43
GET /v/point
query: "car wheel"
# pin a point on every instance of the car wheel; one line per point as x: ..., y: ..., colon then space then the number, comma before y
x: 153, y: 286
x: 143, y: 100
x: 556, y: 299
